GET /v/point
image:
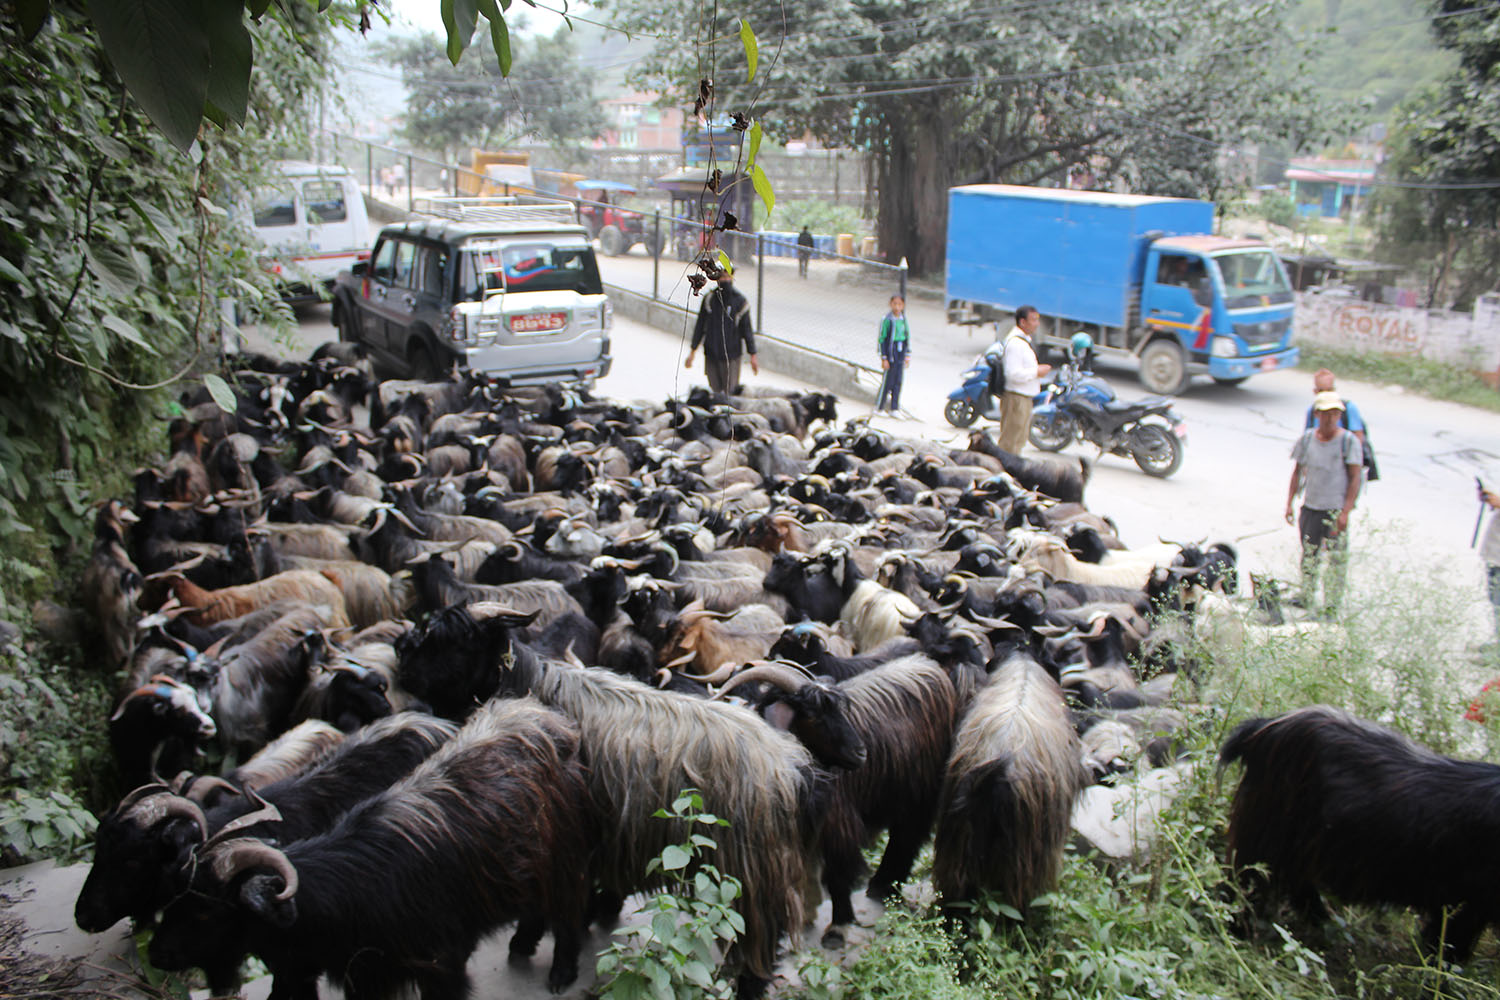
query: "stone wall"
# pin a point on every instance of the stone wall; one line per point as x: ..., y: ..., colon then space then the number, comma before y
x: 1468, y: 339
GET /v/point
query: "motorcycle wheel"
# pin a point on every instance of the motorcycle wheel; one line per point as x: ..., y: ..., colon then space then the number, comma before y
x: 1156, y: 450
x: 960, y: 412
x: 1053, y: 434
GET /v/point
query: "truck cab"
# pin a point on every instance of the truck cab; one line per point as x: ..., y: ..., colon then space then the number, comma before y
x: 1213, y: 306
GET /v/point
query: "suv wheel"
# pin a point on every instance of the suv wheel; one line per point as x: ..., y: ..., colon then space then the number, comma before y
x: 421, y: 365
x: 343, y: 322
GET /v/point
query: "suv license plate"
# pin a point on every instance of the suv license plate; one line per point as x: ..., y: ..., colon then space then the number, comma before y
x: 538, y: 322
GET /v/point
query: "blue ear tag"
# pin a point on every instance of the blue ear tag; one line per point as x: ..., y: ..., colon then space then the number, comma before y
x: 164, y: 691
x: 189, y: 653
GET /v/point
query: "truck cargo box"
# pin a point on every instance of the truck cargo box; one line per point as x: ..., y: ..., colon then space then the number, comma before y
x: 1072, y: 254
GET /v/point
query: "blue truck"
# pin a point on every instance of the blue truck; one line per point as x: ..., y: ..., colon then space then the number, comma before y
x: 1142, y: 275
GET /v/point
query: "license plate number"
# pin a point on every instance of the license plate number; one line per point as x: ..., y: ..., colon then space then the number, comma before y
x: 1266, y: 364
x: 538, y: 322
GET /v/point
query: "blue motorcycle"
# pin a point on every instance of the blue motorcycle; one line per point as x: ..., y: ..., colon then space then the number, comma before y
x: 1077, y: 405
x: 977, y: 396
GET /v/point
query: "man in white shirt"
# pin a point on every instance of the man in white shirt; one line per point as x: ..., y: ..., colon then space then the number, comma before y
x: 1023, y: 380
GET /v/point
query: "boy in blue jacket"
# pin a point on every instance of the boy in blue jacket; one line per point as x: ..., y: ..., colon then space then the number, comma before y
x: 895, y: 354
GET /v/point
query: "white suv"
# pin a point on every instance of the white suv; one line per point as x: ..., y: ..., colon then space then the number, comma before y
x: 508, y: 289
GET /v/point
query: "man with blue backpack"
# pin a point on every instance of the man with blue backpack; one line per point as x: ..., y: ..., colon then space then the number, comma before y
x: 1352, y: 421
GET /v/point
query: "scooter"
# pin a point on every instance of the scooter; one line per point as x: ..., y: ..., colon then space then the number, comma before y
x: 975, y: 397
x: 1077, y: 405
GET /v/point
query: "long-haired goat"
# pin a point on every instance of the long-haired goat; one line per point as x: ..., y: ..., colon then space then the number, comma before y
x: 1332, y: 803
x: 400, y: 891
x: 1008, y: 796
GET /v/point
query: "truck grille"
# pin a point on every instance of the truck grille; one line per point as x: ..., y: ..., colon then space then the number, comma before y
x: 1259, y: 336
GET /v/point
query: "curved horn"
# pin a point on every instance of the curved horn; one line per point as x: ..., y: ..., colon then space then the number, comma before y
x: 263, y: 812
x: 783, y: 674
x: 235, y: 856
x: 135, y: 795
x: 720, y: 675
x: 152, y: 809
x: 200, y: 789
x: 992, y: 623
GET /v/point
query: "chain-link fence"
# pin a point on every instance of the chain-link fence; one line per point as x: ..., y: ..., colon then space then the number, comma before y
x: 828, y: 299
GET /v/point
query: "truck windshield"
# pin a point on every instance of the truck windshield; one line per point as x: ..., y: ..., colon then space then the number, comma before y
x: 529, y: 267
x: 1252, y: 278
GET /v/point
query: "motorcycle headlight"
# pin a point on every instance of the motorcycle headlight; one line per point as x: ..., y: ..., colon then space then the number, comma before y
x: 1224, y: 347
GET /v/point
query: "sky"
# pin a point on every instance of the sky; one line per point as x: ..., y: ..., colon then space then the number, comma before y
x: 426, y: 15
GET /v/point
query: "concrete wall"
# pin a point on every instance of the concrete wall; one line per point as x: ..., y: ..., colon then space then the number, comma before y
x: 1471, y: 340
x: 851, y: 381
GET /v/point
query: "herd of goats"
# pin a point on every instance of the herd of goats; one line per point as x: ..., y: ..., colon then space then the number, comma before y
x: 457, y: 655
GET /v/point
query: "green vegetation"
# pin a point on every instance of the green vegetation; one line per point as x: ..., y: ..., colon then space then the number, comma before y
x: 821, y: 216
x: 1161, y: 925
x: 1435, y: 379
x: 1371, y: 54
x: 672, y: 956
x: 116, y: 250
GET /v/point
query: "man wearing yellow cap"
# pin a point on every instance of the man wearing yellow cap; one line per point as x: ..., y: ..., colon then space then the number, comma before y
x: 1327, y: 461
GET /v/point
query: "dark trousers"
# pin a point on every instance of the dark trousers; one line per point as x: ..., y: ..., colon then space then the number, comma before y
x: 723, y: 376
x: 1315, y: 527
x: 890, y: 387
x: 802, y: 258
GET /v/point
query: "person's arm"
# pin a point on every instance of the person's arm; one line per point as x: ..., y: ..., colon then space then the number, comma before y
x: 1291, y: 491
x: 1491, y: 497
x: 747, y: 332
x: 1354, y: 472
x: 885, y: 326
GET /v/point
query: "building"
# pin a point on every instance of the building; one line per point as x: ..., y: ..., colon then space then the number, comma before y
x: 636, y: 122
x: 1325, y: 187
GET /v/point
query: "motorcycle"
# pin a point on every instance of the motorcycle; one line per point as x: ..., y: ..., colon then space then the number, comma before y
x: 975, y: 397
x: 1078, y: 405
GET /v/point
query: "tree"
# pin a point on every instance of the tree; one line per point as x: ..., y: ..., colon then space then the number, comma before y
x: 547, y: 96
x: 1139, y: 95
x: 1441, y: 213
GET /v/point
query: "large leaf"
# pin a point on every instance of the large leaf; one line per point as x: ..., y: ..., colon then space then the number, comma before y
x: 125, y: 331
x: 113, y: 268
x: 752, y: 48
x: 230, y: 56
x: 763, y: 188
x: 500, y: 38
x: 155, y: 218
x: 221, y: 393
x: 161, y: 51
x: 459, y: 17
x: 755, y: 137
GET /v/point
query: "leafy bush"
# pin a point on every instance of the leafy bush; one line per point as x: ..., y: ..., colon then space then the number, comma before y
x: 1277, y: 208
x: 823, y: 217
x: 1435, y: 379
x: 671, y: 956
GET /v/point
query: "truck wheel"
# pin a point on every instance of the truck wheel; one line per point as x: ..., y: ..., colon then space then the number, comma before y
x: 1156, y: 450
x: 1231, y: 381
x: 1164, y: 368
x: 960, y: 412
x: 343, y: 322
x: 612, y: 241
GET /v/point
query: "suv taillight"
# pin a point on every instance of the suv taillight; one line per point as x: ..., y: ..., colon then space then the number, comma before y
x: 458, y: 326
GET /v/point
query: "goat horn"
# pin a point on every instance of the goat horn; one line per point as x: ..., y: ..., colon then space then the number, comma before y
x: 993, y: 623
x: 235, y: 856
x: 264, y: 812
x: 784, y: 674
x: 135, y: 795
x: 162, y: 804
x: 198, y: 790
x: 720, y: 675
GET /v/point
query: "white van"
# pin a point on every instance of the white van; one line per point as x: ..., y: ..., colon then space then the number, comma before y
x: 313, y: 225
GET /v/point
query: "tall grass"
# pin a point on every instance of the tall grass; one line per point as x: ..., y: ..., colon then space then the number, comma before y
x: 1435, y: 379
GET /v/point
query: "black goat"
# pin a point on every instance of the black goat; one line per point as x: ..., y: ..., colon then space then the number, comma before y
x: 401, y: 890
x: 1332, y: 803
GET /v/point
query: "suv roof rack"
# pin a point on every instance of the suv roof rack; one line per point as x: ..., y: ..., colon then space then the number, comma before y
x: 500, y: 209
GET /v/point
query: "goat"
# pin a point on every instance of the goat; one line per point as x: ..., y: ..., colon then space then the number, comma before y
x: 709, y: 639
x: 145, y: 847
x: 258, y: 681
x: 293, y: 752
x: 903, y: 713
x: 826, y: 587
x: 1039, y: 552
x: 644, y: 746
x: 1330, y: 803
x: 306, y: 587
x: 401, y: 890
x: 1059, y: 478
x: 438, y: 587
x: 111, y: 583
x: 1008, y: 794
x: 159, y: 726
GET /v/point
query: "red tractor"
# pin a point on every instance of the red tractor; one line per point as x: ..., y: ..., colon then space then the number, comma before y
x: 617, y: 229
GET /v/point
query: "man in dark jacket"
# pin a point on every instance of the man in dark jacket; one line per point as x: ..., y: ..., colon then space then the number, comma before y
x: 804, y: 249
x: 723, y: 328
